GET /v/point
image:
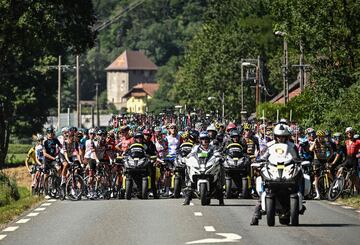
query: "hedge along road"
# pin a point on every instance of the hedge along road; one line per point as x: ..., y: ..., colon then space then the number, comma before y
x: 167, y: 222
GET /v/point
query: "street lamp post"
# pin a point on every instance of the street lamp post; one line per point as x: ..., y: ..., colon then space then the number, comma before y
x: 222, y: 100
x: 244, y: 62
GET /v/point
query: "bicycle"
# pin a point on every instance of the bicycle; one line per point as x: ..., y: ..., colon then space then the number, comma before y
x: 342, y: 185
x: 325, y: 181
x: 103, y: 181
x: 52, y: 183
x: 75, y: 183
x: 38, y: 187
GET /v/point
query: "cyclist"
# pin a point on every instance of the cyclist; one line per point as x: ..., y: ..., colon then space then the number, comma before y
x: 263, y: 139
x: 339, y: 153
x: 251, y: 142
x: 71, y: 153
x: 151, y: 150
x: 322, y: 153
x: 38, y: 158
x: 125, y: 141
x: 352, y: 150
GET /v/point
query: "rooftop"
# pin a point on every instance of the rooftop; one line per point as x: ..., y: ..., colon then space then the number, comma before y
x: 132, y: 60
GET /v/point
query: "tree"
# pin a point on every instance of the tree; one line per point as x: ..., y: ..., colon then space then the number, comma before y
x: 32, y: 35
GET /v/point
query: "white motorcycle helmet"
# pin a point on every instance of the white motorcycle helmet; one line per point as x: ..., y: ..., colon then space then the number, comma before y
x: 281, y: 130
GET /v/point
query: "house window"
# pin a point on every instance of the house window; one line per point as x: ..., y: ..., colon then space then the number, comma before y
x: 146, y: 73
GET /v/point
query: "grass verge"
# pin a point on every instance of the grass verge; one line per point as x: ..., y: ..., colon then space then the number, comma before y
x: 351, y: 201
x: 15, y: 208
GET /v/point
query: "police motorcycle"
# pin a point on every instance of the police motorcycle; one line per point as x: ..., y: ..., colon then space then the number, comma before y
x: 236, y: 166
x: 136, y: 172
x: 178, y: 178
x: 280, y: 185
x: 203, y: 170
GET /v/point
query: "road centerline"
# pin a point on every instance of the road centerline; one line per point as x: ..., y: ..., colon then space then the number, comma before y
x: 209, y: 228
x: 198, y: 214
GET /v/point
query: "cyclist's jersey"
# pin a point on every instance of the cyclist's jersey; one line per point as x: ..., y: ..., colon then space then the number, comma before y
x: 340, y: 151
x: 109, y: 150
x: 39, y: 152
x: 82, y: 143
x: 173, y: 144
x: 51, y: 146
x: 252, y: 144
x: 72, y: 149
x: 322, y: 151
x: 100, y: 148
x: 125, y: 143
x: 31, y: 154
x: 161, y: 147
x: 262, y: 143
x: 352, y: 147
x: 89, y: 149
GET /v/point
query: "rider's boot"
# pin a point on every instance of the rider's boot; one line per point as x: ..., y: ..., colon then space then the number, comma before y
x: 257, y: 214
x: 188, y: 195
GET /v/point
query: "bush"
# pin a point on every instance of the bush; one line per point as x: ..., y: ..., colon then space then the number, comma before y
x: 8, y: 190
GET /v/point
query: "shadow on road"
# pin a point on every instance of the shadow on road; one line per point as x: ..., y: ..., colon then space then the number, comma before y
x: 233, y: 205
x: 327, y: 225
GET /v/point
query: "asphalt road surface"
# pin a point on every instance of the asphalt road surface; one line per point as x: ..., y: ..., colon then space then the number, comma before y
x: 165, y: 221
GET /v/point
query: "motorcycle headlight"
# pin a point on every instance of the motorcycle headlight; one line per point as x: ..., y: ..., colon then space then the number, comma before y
x: 202, y: 167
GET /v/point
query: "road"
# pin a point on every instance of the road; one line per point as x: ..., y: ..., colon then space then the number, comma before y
x: 165, y: 221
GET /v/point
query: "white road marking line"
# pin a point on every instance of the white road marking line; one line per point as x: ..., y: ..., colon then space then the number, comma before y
x: 198, y: 214
x: 347, y: 207
x: 11, y: 228
x: 2, y: 237
x: 32, y: 214
x: 227, y: 237
x: 46, y: 204
x: 51, y: 200
x: 22, y: 221
x: 334, y: 203
x: 191, y: 204
x: 40, y: 209
x: 209, y: 228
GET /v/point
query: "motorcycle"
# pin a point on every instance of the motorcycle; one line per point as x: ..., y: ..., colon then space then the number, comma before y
x: 136, y: 172
x: 203, y: 170
x: 236, y: 166
x: 178, y: 178
x: 280, y: 184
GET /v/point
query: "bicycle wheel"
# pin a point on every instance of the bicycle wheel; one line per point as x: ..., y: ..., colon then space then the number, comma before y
x: 74, y: 187
x: 52, y: 186
x: 324, y: 185
x: 336, y: 188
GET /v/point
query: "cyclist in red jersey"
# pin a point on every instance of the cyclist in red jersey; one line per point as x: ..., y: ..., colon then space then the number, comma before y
x: 352, y: 149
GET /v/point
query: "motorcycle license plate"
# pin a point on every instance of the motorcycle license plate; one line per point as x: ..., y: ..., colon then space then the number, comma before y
x: 236, y: 159
x: 136, y: 159
x: 281, y: 166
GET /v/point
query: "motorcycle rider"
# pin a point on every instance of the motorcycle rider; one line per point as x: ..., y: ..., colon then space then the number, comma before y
x: 212, y: 132
x: 203, y: 147
x: 281, y: 134
x: 151, y: 151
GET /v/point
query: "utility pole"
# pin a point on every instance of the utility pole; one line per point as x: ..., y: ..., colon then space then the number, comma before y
x: 223, y: 107
x: 257, y: 93
x: 59, y: 94
x: 302, y: 84
x: 78, y: 92
x: 242, y: 85
x: 97, y: 104
x: 285, y: 73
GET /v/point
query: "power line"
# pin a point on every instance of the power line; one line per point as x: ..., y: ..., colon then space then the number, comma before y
x: 118, y: 16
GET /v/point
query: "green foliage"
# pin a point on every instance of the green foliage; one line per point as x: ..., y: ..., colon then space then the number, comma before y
x: 15, y: 208
x: 19, y: 148
x: 8, y: 190
x: 234, y: 30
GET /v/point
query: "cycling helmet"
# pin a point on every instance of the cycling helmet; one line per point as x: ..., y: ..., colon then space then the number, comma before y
x: 309, y: 130
x: 328, y: 133
x: 72, y: 131
x: 349, y: 129
x: 247, y: 126
x: 92, y: 131
x: 204, y: 135
x: 39, y: 137
x: 356, y: 136
x: 138, y: 135
x: 281, y: 130
x: 50, y: 130
x: 230, y: 127
x: 193, y: 135
x: 234, y: 133
x: 211, y: 127
x: 157, y: 129
x: 303, y: 141
x: 320, y: 133
x: 101, y: 132
x: 64, y: 130
x: 172, y: 125
x: 125, y: 128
